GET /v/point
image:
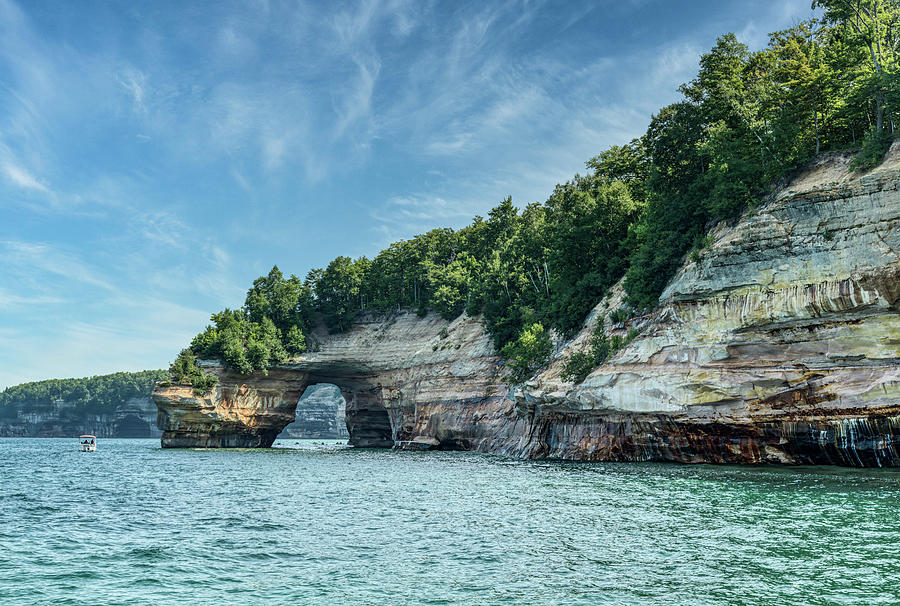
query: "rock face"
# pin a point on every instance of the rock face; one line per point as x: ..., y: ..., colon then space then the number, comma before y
x: 394, y: 372
x: 133, y: 418
x: 781, y: 344
x: 241, y: 412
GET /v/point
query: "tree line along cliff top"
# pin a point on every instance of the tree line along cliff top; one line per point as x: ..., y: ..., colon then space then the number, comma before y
x: 746, y: 120
x: 91, y: 395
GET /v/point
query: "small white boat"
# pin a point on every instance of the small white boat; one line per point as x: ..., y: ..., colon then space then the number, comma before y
x: 87, y: 443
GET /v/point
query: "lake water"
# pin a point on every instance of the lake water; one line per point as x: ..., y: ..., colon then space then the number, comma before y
x: 313, y: 524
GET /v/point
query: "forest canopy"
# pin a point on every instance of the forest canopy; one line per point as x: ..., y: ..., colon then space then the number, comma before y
x: 745, y: 121
x: 92, y: 395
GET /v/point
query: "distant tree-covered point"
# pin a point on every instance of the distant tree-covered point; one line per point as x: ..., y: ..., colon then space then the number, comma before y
x: 747, y: 119
x: 90, y: 395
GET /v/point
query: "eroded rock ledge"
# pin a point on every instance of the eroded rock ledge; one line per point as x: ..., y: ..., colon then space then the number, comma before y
x: 782, y: 344
x: 391, y: 370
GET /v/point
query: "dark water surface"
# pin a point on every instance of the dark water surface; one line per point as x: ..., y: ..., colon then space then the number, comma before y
x: 134, y: 524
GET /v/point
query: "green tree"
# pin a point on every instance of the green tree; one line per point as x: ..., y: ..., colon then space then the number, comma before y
x: 337, y: 292
x: 628, y: 164
x: 286, y: 302
x: 588, y: 225
x: 186, y: 371
x: 529, y: 352
x: 872, y: 24
x: 295, y: 341
x: 676, y: 210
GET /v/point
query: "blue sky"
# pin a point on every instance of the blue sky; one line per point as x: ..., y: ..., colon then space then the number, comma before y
x: 156, y: 157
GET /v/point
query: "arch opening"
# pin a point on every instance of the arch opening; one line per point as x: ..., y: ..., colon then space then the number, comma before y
x: 319, y: 415
x: 334, y: 409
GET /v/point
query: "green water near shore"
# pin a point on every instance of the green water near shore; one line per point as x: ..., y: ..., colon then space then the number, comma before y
x: 313, y: 524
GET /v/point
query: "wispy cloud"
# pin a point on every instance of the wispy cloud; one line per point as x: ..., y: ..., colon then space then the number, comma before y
x: 22, y: 178
x: 134, y: 81
x: 28, y: 257
x: 355, y: 105
x: 77, y: 320
x: 153, y: 163
x: 536, y: 117
x: 401, y: 215
x: 9, y: 299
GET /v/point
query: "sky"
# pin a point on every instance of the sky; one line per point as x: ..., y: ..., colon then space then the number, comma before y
x: 156, y: 157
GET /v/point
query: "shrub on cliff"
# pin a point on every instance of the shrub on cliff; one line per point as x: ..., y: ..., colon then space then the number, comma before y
x: 872, y: 152
x: 622, y: 314
x: 295, y: 341
x: 529, y: 352
x: 245, y: 345
x: 600, y: 348
x: 581, y: 363
x: 185, y: 371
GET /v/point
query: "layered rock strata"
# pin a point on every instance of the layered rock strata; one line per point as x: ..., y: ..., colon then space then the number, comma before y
x: 241, y: 412
x: 781, y: 344
x: 391, y: 370
x: 134, y: 418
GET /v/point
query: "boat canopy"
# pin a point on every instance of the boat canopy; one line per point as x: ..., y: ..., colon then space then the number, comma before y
x: 87, y: 436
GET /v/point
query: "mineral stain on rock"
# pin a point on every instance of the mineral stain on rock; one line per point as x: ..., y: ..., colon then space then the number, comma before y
x: 780, y: 345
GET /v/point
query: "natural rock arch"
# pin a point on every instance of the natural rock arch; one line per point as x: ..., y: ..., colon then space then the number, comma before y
x: 403, y: 377
x: 249, y: 411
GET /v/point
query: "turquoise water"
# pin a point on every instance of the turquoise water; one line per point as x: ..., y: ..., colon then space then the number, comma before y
x: 134, y: 524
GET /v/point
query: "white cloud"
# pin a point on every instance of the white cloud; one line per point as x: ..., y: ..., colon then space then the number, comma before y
x: 355, y: 104
x: 169, y: 169
x: 78, y: 320
x: 22, y: 178
x: 10, y: 300
x: 530, y: 136
x: 25, y: 258
x: 144, y: 335
x: 403, y: 216
x: 134, y: 81
x: 459, y: 142
x: 273, y: 151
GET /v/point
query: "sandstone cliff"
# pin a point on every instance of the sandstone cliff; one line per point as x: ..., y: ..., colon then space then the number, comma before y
x: 780, y: 345
x: 395, y: 372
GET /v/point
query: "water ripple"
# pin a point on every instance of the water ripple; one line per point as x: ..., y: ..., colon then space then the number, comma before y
x: 312, y: 524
